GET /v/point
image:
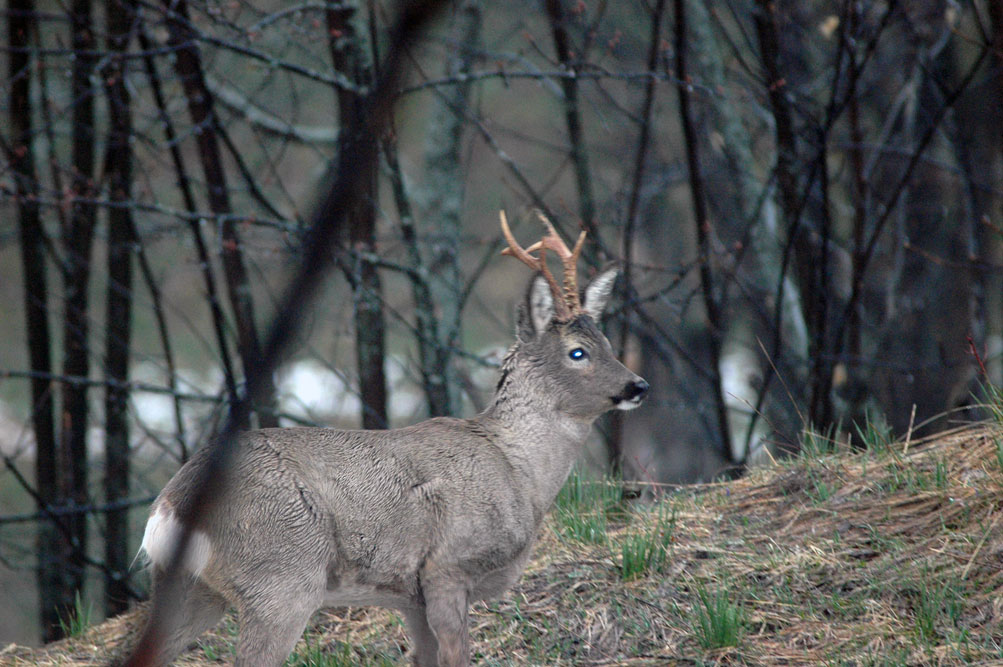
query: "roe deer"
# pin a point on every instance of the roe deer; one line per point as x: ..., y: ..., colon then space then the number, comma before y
x: 423, y: 519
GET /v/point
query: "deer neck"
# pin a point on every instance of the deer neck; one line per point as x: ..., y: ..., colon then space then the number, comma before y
x: 540, y: 441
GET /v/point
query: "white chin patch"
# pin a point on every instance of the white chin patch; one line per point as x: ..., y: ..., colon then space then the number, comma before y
x: 160, y: 539
x: 628, y: 404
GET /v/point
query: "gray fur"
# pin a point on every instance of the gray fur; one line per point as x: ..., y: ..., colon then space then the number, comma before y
x: 423, y: 519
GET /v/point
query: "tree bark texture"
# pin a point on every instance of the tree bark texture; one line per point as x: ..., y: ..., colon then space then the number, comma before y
x: 560, y: 19
x: 118, y: 328
x: 349, y: 58
x: 52, y: 591
x: 188, y: 65
x: 444, y: 208
x: 805, y: 259
x: 78, y: 245
x: 701, y: 219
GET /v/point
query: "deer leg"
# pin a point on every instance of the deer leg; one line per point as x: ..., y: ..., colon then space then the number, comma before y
x: 268, y: 633
x: 424, y: 648
x: 446, y: 610
x: 181, y: 614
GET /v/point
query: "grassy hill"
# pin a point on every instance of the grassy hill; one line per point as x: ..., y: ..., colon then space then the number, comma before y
x: 890, y: 555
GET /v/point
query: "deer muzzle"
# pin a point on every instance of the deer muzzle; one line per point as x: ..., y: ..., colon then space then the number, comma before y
x: 631, y: 395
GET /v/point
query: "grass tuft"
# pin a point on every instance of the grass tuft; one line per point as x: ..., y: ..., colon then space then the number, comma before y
x: 993, y: 401
x: 78, y: 619
x: 937, y: 609
x: 583, y: 506
x: 719, y: 622
x: 817, y: 443
x: 645, y: 552
x: 876, y: 434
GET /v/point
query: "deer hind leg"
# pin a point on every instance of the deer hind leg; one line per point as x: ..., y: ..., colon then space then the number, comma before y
x: 182, y: 614
x: 446, y: 605
x: 424, y: 647
x: 270, y: 628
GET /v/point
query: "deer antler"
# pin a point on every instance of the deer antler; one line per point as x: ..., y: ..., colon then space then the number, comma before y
x: 567, y: 304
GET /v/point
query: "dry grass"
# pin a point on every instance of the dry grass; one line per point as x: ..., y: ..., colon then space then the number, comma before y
x: 873, y: 557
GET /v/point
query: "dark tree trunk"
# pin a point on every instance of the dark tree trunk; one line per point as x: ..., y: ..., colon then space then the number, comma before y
x: 184, y: 185
x: 188, y: 66
x: 614, y: 440
x: 349, y: 58
x: 701, y: 220
x: 52, y: 592
x: 559, y: 20
x: 808, y: 265
x: 78, y: 242
x: 118, y: 329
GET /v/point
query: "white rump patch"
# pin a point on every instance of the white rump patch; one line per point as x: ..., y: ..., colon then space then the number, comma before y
x: 161, y: 535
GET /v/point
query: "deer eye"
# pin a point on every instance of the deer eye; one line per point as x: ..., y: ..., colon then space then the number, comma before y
x: 578, y: 354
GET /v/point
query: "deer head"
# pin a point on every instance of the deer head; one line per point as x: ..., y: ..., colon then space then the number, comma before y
x: 557, y: 331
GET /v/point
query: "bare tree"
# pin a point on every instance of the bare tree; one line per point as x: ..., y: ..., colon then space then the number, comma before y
x: 190, y: 71
x: 443, y: 207
x: 77, y: 248
x: 120, y: 18
x: 52, y: 593
x: 349, y: 57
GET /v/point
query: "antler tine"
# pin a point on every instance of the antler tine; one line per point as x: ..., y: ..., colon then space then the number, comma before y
x: 569, y: 260
x: 516, y: 250
x: 562, y: 308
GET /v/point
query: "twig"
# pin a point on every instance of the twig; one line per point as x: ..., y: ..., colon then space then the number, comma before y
x: 978, y: 547
x: 908, y: 433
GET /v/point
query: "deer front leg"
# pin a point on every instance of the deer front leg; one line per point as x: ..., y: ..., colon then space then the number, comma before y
x: 446, y: 605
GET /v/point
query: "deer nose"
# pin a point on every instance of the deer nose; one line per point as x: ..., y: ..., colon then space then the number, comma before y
x: 636, y: 390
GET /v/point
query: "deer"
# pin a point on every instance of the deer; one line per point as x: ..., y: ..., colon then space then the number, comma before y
x: 424, y: 519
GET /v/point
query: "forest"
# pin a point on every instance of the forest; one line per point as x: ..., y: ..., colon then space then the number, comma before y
x: 220, y: 214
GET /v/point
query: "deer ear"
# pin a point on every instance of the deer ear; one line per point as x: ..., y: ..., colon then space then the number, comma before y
x: 540, y: 304
x: 523, y: 326
x: 598, y: 291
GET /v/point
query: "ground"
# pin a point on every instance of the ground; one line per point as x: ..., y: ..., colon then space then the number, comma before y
x: 888, y: 555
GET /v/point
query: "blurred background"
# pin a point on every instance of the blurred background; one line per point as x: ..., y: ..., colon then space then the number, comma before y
x: 804, y: 197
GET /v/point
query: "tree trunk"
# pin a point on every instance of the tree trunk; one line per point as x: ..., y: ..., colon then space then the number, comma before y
x: 118, y: 328
x: 78, y: 242
x: 701, y: 219
x: 426, y: 321
x: 51, y: 589
x: 737, y: 168
x: 194, y: 224
x: 349, y: 59
x: 983, y: 116
x: 188, y: 66
x: 614, y: 440
x: 559, y: 21
x: 444, y: 206
x: 807, y: 263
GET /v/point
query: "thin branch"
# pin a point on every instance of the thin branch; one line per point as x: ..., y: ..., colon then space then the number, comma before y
x: 701, y: 220
x: 572, y: 116
x: 193, y: 218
